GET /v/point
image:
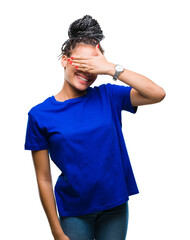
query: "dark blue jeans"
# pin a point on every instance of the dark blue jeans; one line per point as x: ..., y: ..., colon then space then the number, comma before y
x: 110, y: 224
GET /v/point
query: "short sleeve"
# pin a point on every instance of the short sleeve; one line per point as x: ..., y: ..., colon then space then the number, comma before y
x: 121, y: 96
x: 36, y: 137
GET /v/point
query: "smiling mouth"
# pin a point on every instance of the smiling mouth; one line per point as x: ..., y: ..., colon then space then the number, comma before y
x: 83, y: 79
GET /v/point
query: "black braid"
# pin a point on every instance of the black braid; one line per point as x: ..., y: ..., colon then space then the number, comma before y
x: 85, y: 30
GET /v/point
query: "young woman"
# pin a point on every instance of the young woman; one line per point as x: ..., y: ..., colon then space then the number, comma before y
x: 80, y: 128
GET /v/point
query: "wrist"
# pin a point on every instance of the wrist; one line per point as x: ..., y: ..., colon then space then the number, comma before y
x: 58, y: 234
x: 111, y: 69
x: 57, y: 230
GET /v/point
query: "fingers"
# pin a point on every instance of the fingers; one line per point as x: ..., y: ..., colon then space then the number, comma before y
x: 78, y: 61
x: 80, y: 66
x: 77, y: 57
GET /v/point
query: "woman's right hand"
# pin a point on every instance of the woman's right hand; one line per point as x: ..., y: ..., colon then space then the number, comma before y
x: 62, y: 237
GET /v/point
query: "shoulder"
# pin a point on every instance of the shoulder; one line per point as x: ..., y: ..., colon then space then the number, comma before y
x: 111, y: 88
x: 39, y: 108
x: 104, y: 87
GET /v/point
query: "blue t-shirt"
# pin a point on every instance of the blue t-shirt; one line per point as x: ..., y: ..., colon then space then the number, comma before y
x: 84, y: 139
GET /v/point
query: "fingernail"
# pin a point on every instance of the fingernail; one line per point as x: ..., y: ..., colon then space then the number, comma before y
x: 76, y: 66
x: 71, y: 57
x: 68, y: 59
x: 70, y: 62
x: 98, y: 45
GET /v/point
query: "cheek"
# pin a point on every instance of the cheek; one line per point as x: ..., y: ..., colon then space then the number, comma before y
x: 70, y: 72
x: 70, y: 69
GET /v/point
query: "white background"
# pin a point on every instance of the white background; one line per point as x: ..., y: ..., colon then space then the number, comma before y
x: 148, y: 37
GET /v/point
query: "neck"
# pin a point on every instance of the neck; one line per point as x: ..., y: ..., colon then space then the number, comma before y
x: 68, y: 92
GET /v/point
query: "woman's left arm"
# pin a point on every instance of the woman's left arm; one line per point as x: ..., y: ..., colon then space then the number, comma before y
x: 144, y: 91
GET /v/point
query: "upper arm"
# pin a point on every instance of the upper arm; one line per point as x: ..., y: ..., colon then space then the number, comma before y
x: 137, y: 99
x: 42, y: 165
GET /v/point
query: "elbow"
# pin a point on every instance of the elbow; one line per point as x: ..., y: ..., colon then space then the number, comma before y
x: 162, y: 94
x: 159, y: 95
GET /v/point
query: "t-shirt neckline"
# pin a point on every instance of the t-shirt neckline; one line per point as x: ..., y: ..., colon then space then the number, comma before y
x: 71, y: 100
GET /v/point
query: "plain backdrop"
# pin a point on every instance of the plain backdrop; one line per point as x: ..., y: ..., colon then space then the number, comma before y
x: 148, y: 37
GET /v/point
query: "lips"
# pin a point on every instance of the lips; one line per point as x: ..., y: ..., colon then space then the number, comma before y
x: 83, y: 76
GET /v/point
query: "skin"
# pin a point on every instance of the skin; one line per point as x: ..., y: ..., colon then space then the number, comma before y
x: 72, y: 87
x: 90, y: 62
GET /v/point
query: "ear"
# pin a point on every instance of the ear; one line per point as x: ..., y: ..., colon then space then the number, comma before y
x: 98, y: 50
x: 64, y: 61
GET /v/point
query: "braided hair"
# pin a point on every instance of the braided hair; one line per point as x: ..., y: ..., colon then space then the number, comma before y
x: 84, y: 30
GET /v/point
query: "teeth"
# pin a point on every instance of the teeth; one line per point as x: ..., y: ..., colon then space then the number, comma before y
x: 82, y: 78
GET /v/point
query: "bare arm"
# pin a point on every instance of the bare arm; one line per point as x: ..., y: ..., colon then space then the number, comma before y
x: 44, y: 180
x: 144, y: 91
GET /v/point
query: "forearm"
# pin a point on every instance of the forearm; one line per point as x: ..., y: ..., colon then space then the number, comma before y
x: 142, y: 84
x: 49, y: 205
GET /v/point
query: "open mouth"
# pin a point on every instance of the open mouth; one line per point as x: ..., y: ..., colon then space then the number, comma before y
x: 82, y: 79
